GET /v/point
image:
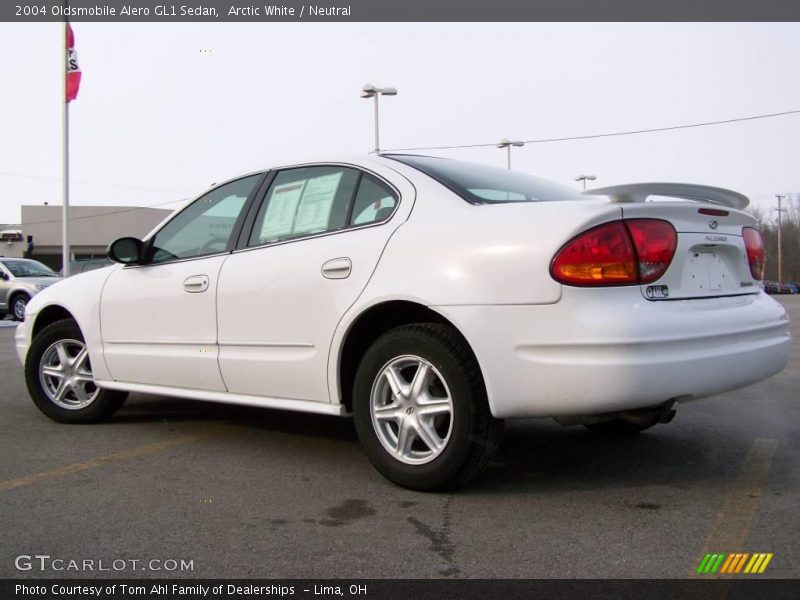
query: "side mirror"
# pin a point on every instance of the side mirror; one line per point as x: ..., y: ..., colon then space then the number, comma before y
x: 127, y: 251
x: 3, y: 276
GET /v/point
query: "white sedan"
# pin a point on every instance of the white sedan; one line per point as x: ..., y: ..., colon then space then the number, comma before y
x: 429, y: 298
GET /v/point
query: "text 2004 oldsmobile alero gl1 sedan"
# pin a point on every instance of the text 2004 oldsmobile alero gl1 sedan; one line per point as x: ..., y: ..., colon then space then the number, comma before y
x: 430, y: 298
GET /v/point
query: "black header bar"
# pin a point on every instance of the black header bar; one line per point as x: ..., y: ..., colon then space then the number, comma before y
x: 401, y: 10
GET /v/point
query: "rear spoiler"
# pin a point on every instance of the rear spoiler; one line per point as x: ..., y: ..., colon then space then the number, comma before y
x: 639, y: 192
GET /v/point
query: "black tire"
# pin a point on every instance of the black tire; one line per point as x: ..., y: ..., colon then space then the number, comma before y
x: 17, y: 305
x: 473, y: 432
x: 618, y: 428
x: 105, y: 402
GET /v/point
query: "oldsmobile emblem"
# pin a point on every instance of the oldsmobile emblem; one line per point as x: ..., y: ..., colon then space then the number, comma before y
x: 713, y: 224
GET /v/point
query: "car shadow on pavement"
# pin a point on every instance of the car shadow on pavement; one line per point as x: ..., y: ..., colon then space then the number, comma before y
x: 143, y: 409
x: 542, y: 456
x: 535, y: 455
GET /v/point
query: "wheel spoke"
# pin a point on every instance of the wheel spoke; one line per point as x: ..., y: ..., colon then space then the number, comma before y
x: 387, y: 412
x: 394, y: 380
x: 63, y: 355
x: 434, y: 407
x: 405, y: 438
x: 80, y: 359
x: 61, y: 391
x: 53, y: 371
x: 84, y: 377
x: 429, y: 437
x: 421, y: 380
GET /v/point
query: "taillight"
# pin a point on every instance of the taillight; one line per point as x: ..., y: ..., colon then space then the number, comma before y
x: 618, y: 253
x: 655, y: 243
x: 755, y: 252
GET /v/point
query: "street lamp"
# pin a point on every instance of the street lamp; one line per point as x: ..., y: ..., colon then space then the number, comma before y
x: 780, y: 210
x: 504, y: 143
x: 370, y: 91
x: 585, y: 178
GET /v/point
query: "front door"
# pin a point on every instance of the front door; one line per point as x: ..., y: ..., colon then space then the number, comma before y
x: 159, y: 319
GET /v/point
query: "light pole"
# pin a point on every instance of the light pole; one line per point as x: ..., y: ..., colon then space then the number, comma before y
x: 371, y: 91
x: 585, y: 178
x: 504, y: 143
x: 780, y: 210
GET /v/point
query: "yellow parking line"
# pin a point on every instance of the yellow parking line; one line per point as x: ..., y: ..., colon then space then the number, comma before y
x: 103, y: 460
x: 732, y: 523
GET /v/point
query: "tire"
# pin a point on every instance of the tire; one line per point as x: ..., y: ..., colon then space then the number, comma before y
x: 449, y: 434
x: 77, y: 402
x: 17, y: 306
x: 618, y: 428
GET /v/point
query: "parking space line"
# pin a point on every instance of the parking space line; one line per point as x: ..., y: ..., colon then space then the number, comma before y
x: 732, y: 523
x: 104, y: 460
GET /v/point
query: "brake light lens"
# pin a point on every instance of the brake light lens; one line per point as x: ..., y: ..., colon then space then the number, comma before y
x: 756, y: 256
x: 655, y: 242
x: 630, y: 252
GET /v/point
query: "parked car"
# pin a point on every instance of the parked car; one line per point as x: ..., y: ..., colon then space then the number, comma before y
x: 20, y: 280
x: 429, y: 298
x: 773, y: 287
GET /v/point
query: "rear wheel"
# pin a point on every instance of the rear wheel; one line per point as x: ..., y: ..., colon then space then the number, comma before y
x: 59, y: 377
x: 420, y: 408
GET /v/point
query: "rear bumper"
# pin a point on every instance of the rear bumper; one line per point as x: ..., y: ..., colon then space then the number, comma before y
x: 599, y: 351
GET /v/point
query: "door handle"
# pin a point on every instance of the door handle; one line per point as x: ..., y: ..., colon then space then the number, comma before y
x: 196, y: 284
x: 337, y: 268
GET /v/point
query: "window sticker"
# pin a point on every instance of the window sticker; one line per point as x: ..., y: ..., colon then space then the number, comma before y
x: 315, y: 205
x: 281, y: 210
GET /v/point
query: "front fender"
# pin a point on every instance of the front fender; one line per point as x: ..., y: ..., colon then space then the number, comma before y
x: 80, y: 296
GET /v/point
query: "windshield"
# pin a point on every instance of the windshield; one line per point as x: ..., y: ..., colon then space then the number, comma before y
x: 28, y: 268
x: 481, y: 184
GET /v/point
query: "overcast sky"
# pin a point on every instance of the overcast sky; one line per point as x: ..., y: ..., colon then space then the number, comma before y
x: 165, y: 110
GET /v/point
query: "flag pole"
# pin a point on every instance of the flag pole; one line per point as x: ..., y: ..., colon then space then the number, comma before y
x: 65, y: 254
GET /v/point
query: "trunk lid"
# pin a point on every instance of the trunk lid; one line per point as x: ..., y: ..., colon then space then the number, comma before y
x: 710, y: 259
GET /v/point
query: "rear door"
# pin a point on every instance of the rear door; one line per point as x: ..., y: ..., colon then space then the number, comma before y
x: 710, y: 259
x: 313, y: 245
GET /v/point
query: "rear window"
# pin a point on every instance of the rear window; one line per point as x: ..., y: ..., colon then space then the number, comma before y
x: 481, y: 184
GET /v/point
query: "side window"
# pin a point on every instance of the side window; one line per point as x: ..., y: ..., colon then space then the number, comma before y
x: 205, y: 226
x: 305, y: 201
x: 374, y: 202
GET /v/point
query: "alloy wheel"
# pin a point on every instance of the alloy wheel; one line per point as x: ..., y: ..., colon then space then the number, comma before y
x: 66, y: 375
x: 411, y: 409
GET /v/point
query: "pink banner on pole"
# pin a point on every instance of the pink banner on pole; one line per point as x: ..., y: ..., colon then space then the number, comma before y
x: 73, y: 70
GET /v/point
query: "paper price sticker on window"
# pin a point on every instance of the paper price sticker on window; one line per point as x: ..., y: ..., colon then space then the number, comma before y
x: 315, y: 205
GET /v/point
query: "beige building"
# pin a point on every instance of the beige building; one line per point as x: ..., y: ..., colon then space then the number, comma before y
x: 91, y: 230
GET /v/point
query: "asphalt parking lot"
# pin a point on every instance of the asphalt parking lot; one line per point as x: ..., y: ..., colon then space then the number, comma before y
x: 260, y: 493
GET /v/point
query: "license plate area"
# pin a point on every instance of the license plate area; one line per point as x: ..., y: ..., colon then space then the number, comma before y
x: 705, y: 273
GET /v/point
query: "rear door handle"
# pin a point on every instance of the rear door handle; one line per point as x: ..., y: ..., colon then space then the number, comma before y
x: 196, y: 284
x: 337, y: 268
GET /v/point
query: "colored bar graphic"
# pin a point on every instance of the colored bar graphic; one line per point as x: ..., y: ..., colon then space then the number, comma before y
x: 703, y: 563
x: 718, y: 563
x: 741, y: 562
x: 766, y: 562
x: 727, y: 565
x: 733, y: 563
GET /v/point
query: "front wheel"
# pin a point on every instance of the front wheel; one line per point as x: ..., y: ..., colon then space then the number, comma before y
x: 59, y: 377
x: 420, y: 407
x: 18, y: 304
